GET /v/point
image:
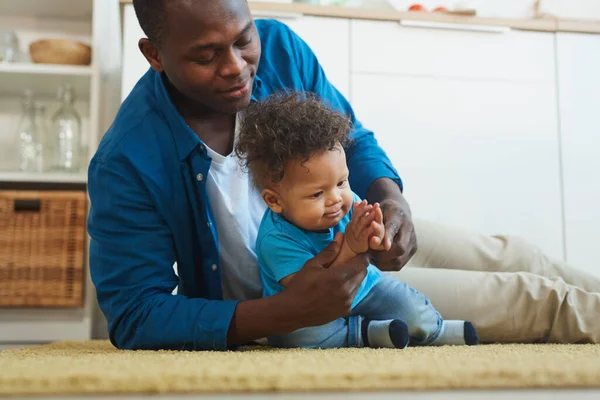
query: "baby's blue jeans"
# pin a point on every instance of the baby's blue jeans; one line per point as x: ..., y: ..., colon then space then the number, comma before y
x: 389, y: 299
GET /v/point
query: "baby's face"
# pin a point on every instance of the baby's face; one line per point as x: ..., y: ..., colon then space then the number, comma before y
x: 315, y: 194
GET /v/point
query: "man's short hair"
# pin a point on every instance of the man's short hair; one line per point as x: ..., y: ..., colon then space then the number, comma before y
x: 151, y: 15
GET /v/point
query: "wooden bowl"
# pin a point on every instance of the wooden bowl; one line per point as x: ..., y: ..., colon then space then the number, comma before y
x: 60, y: 51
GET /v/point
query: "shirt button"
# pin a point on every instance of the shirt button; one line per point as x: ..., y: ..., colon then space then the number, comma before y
x: 208, y: 224
x: 200, y: 177
x: 214, y: 267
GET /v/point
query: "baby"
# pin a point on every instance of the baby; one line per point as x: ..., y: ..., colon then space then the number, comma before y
x: 292, y: 146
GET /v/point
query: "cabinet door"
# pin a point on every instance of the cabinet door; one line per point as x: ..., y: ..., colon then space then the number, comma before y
x: 329, y: 38
x: 579, y: 102
x: 478, y: 154
x: 390, y: 48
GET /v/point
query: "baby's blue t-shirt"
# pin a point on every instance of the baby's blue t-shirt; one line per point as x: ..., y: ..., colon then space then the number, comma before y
x: 283, y: 248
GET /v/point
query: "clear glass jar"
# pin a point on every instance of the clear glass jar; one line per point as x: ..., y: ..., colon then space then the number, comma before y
x: 41, y: 122
x: 28, y: 137
x: 64, y: 141
x: 9, y: 47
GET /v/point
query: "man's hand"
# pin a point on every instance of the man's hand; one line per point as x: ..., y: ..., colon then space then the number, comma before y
x: 316, y: 295
x: 400, y: 240
x: 319, y: 294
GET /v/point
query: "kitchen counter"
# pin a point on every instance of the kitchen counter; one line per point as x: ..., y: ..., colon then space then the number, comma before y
x: 548, y: 24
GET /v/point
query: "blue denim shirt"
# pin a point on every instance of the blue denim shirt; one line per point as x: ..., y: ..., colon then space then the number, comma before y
x: 149, y: 205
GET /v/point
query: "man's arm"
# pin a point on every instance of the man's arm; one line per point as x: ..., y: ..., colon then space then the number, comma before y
x: 400, y: 239
x: 316, y: 295
x: 131, y: 258
x: 255, y: 319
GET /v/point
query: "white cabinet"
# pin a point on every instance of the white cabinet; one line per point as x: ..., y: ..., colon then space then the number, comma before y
x: 579, y: 88
x: 389, y: 48
x: 476, y: 148
x: 329, y: 38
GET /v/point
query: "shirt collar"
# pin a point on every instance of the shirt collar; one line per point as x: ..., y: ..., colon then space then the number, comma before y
x: 256, y: 88
x: 185, y: 138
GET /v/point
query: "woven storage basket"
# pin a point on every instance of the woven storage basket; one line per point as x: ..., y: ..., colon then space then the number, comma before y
x: 42, y: 243
x: 60, y: 51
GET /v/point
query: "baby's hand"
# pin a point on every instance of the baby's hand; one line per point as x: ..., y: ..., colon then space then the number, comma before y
x: 360, y: 227
x: 376, y: 239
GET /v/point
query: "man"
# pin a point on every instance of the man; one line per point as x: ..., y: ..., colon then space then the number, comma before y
x: 164, y: 189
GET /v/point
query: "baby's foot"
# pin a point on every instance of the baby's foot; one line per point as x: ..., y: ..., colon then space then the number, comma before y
x: 457, y: 333
x: 391, y: 334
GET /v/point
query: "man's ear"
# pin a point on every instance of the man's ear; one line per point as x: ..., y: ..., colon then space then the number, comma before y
x: 151, y: 53
x: 273, y: 200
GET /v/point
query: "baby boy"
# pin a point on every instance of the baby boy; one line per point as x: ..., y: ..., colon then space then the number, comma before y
x: 293, y: 148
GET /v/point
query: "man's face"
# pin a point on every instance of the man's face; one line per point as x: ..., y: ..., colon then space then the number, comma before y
x: 210, y: 52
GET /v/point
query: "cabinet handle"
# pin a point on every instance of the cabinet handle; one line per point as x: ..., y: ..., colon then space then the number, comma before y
x: 25, y: 205
x: 457, y: 27
x: 276, y: 14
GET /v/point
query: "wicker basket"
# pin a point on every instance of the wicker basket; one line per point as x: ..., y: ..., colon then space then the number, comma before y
x: 42, y: 243
x: 60, y: 51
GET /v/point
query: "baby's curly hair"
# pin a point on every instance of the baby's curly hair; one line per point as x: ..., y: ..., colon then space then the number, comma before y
x: 284, y: 127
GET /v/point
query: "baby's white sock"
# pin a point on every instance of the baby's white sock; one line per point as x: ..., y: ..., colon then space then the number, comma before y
x: 457, y: 333
x: 391, y: 334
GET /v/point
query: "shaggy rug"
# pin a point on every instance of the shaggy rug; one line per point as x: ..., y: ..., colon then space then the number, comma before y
x: 96, y: 367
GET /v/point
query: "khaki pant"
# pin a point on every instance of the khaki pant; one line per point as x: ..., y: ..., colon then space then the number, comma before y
x: 508, y: 288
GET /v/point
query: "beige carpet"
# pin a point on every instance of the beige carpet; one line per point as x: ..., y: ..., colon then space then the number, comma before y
x: 97, y: 367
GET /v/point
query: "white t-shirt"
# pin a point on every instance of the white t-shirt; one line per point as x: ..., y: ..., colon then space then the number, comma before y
x: 238, y: 209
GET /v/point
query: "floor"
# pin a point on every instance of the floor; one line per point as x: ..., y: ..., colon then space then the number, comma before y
x: 455, y: 395
x: 8, y: 346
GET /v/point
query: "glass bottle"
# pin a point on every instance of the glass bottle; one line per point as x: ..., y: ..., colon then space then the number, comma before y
x: 43, y: 132
x: 9, y: 47
x: 28, y: 137
x: 65, y: 140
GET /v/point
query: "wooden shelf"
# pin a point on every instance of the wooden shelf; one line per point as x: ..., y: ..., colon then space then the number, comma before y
x: 43, y: 177
x: 59, y: 9
x: 570, y: 25
x: 14, y: 78
x: 45, y: 69
x: 40, y: 325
